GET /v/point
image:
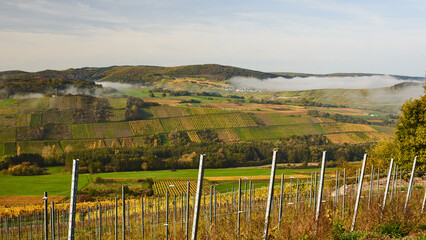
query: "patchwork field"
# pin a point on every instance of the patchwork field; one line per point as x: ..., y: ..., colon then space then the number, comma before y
x: 45, y: 120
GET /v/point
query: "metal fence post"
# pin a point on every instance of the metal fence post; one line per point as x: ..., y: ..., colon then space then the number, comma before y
x: 387, y: 185
x: 281, y: 201
x: 270, y: 196
x: 198, y: 198
x: 371, y: 185
x: 167, y: 214
x: 310, y: 191
x: 250, y: 199
x: 187, y: 212
x: 100, y: 221
x: 320, y: 189
x: 142, y: 218
x: 123, y: 212
x: 45, y: 222
x: 344, y: 192
x: 73, y: 203
x: 424, y: 199
x: 410, y: 185
x: 52, y: 220
x: 359, y: 192
x: 116, y: 220
x: 239, y: 208
x: 378, y: 184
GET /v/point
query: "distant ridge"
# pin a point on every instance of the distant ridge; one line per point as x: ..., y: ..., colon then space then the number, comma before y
x: 140, y: 74
x: 152, y: 74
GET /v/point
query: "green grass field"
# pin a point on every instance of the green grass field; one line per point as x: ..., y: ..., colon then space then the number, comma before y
x: 57, y: 182
x: 7, y: 102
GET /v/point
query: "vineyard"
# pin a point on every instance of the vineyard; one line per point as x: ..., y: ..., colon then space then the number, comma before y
x: 8, y: 135
x: 70, y: 145
x: 116, y: 115
x: 176, y: 187
x: 101, y: 130
x: 194, y: 137
x: 72, y: 118
x: 54, y: 116
x: 173, y: 112
x: 227, y: 135
x: 117, y: 103
x: 144, y: 127
x: 45, y: 148
x: 237, y: 213
x: 62, y: 103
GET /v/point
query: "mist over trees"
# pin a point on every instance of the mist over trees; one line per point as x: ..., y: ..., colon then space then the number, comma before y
x: 410, y: 138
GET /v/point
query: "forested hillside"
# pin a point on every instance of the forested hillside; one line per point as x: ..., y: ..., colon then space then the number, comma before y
x: 140, y: 74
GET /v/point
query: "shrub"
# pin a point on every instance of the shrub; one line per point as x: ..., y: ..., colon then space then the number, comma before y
x: 339, y: 233
x: 98, y: 180
x: 25, y: 169
x: 393, y: 230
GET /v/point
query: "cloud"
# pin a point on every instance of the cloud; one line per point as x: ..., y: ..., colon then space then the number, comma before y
x: 309, y: 83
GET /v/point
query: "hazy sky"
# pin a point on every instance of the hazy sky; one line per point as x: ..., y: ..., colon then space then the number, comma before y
x: 314, y: 36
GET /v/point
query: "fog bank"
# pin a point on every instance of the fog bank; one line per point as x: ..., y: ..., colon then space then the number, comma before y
x: 115, y: 85
x: 310, y: 83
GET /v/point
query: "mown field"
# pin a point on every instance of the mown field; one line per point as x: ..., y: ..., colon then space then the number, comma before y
x: 58, y: 182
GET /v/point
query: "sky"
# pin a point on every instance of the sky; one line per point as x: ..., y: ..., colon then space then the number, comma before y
x: 310, y: 36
